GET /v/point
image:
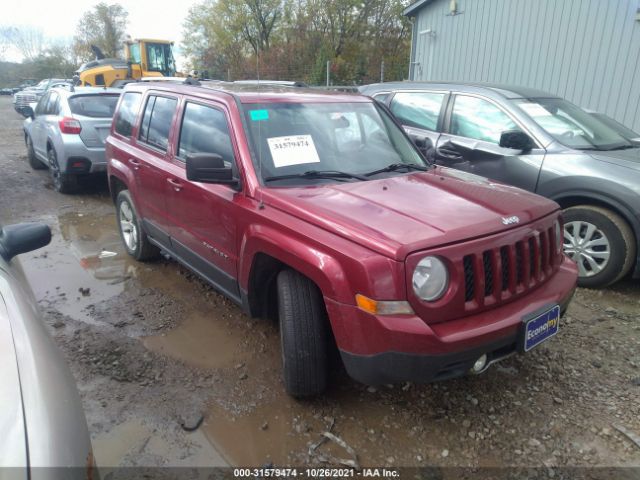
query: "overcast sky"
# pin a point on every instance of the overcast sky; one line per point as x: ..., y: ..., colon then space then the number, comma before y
x: 58, y: 20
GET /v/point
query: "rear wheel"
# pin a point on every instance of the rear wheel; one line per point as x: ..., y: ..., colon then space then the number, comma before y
x: 303, y: 334
x: 600, y: 242
x: 31, y: 156
x: 135, y: 240
x: 62, y: 182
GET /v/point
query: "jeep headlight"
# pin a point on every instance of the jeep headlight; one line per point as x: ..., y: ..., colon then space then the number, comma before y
x: 559, y: 237
x: 430, y: 279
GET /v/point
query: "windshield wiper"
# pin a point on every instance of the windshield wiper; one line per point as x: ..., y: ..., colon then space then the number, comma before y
x: 312, y: 174
x: 398, y: 166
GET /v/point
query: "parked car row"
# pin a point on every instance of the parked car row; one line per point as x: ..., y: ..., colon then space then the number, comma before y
x: 399, y: 227
x: 409, y: 230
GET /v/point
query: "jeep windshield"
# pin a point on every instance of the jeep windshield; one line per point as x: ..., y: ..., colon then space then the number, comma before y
x: 309, y: 143
x: 572, y: 126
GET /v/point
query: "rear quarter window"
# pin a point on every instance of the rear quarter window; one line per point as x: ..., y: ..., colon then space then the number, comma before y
x: 95, y: 106
x: 156, y: 123
x: 126, y: 115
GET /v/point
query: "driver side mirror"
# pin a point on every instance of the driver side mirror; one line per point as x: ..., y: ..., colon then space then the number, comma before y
x: 424, y: 144
x: 209, y: 168
x: 23, y: 238
x: 516, y: 140
x: 27, y: 112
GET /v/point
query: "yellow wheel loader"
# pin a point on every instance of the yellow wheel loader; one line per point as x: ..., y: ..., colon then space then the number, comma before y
x: 143, y: 58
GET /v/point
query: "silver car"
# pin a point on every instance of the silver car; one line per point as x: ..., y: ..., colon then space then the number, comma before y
x: 44, y: 430
x: 66, y: 132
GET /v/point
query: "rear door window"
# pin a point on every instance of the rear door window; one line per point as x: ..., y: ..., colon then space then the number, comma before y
x: 418, y: 109
x: 205, y: 130
x: 95, y: 106
x: 156, y: 122
x: 126, y: 115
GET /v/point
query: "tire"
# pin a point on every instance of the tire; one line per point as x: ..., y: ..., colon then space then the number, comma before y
x: 303, y: 334
x: 31, y: 156
x: 133, y: 237
x: 62, y: 182
x: 612, y: 245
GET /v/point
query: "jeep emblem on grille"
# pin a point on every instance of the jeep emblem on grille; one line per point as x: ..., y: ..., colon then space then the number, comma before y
x: 510, y: 220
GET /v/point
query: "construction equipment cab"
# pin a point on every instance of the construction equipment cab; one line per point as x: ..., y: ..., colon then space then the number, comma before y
x: 143, y: 58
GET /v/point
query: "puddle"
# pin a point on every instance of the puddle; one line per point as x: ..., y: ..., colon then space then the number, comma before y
x: 73, y: 272
x: 135, y: 440
x: 199, y: 341
x: 283, y: 431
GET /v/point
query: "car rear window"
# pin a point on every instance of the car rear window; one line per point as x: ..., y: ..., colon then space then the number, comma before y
x: 96, y: 106
x: 127, y: 112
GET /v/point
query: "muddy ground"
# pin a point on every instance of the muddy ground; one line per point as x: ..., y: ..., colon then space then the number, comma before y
x: 154, y: 349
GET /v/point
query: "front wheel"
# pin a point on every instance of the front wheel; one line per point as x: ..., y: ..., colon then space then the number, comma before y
x: 303, y: 334
x: 135, y: 240
x: 600, y: 242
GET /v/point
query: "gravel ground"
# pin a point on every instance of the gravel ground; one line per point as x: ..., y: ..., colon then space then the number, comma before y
x: 173, y: 374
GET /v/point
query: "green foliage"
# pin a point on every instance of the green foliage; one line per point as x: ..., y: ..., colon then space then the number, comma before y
x: 293, y: 39
x: 103, y: 26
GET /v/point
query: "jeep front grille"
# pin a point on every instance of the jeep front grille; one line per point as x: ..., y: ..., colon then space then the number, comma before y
x: 501, y: 272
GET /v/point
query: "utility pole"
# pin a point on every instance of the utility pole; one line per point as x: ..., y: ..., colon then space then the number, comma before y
x: 382, y: 71
x: 328, y: 66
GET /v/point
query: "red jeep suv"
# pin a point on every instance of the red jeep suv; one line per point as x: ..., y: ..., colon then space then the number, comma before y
x: 317, y: 207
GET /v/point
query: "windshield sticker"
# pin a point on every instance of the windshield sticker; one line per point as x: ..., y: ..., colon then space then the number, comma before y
x: 259, y: 115
x: 294, y: 150
x: 535, y: 110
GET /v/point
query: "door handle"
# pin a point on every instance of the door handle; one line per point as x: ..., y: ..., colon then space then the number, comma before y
x: 177, y: 186
x: 135, y: 163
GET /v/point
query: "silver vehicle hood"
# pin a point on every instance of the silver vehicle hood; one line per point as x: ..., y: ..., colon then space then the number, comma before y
x: 13, y: 442
x: 628, y: 158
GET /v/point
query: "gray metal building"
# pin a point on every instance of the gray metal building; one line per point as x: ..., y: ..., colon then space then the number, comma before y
x: 587, y: 51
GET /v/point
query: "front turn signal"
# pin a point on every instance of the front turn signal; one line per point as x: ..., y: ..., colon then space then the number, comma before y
x: 383, y: 307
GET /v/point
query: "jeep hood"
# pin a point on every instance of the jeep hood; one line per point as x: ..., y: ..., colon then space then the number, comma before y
x: 405, y: 213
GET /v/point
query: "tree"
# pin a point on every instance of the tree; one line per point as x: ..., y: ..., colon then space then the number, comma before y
x: 293, y: 39
x: 29, y: 42
x: 105, y: 27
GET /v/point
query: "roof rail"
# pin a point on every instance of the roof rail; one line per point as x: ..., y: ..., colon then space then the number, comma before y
x: 185, y: 80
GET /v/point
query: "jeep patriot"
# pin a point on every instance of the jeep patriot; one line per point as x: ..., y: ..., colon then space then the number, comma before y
x: 317, y: 208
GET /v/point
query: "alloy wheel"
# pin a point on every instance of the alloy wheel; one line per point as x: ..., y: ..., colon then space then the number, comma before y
x: 128, y: 226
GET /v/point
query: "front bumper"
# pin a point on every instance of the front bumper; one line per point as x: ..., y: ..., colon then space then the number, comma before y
x: 387, y: 349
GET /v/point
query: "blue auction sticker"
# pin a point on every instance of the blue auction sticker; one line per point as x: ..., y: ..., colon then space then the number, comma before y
x: 259, y: 115
x: 541, y: 328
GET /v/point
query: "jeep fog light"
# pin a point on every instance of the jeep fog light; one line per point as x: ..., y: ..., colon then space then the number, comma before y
x: 430, y: 279
x: 480, y: 364
x: 559, y: 237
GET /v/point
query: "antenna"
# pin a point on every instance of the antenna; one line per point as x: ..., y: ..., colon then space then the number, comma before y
x: 260, y: 200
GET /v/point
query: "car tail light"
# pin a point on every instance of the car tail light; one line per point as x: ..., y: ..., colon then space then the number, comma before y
x: 70, y: 125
